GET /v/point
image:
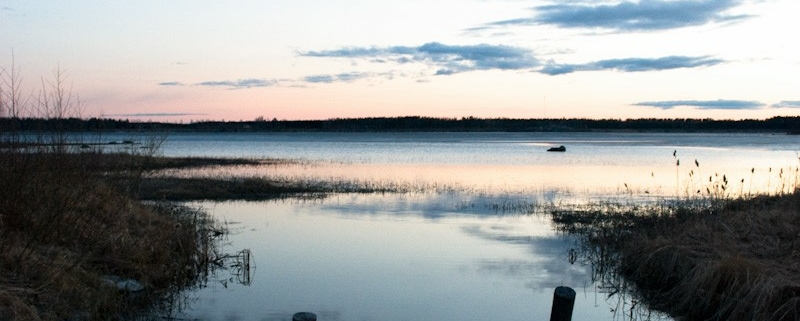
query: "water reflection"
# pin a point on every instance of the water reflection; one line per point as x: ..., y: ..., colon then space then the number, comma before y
x: 535, y: 184
x: 438, y: 205
x: 593, y: 247
x: 395, y: 257
x: 464, y: 239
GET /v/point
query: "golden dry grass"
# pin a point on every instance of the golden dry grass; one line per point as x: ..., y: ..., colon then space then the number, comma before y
x: 64, y: 226
x: 736, y: 260
x: 740, y: 263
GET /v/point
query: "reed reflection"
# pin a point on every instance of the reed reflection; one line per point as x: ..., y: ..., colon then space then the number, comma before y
x: 548, y: 183
x: 597, y: 234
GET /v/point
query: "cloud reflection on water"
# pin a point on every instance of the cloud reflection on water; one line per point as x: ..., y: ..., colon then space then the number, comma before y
x: 545, y: 267
x: 548, y: 267
x: 393, y: 256
x: 439, y: 205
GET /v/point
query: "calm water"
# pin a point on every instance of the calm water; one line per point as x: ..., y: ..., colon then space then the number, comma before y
x: 459, y: 247
x: 595, y: 164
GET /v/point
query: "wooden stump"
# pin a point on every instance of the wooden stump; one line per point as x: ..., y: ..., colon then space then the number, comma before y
x: 563, y: 302
x: 304, y: 316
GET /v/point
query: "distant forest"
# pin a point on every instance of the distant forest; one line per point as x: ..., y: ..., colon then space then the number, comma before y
x: 790, y: 125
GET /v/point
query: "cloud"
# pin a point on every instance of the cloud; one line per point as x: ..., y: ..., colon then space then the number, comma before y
x: 703, y: 104
x: 640, y: 15
x: 632, y: 64
x: 447, y: 59
x: 787, y: 104
x: 319, y: 79
x: 241, y: 83
x: 260, y: 82
x: 355, y: 52
x: 343, y: 77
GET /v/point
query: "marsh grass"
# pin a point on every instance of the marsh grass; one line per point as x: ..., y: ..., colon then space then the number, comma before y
x: 739, y: 263
x: 706, y: 257
x: 247, y: 188
x: 203, y: 179
x: 69, y: 219
x: 693, y: 182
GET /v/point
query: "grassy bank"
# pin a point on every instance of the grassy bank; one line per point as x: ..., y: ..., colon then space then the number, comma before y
x: 68, y: 227
x: 191, y: 179
x: 73, y: 219
x: 737, y: 261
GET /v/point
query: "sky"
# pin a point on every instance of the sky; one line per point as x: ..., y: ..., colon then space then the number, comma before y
x: 195, y: 60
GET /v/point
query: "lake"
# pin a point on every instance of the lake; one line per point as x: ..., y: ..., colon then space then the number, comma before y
x: 594, y: 165
x: 464, y: 241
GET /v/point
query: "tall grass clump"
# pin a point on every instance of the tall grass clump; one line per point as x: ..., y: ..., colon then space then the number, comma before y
x: 69, y: 224
x: 709, y: 254
x: 739, y: 263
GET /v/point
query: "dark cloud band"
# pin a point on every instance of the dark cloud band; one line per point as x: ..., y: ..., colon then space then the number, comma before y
x: 241, y: 83
x: 704, y: 104
x: 630, y: 15
x: 453, y: 59
x: 343, y: 77
x: 448, y: 59
x: 787, y: 104
x: 632, y: 64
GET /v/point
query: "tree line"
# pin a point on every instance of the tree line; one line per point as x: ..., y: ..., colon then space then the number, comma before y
x: 790, y: 125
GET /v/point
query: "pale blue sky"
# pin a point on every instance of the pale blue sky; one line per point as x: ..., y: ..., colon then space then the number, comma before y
x: 309, y: 59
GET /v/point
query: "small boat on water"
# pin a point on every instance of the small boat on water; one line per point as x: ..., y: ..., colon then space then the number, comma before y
x: 557, y: 149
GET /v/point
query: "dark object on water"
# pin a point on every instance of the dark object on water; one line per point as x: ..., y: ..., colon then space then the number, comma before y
x: 563, y: 303
x: 558, y: 149
x: 304, y: 316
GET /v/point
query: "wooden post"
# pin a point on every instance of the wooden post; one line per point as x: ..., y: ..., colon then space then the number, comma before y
x: 563, y: 302
x: 304, y: 316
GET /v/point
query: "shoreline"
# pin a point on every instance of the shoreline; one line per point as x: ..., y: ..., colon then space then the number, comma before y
x: 733, y: 261
x: 780, y: 124
x: 666, y: 254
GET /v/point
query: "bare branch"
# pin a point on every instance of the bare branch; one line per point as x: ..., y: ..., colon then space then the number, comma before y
x: 16, y: 103
x: 56, y: 100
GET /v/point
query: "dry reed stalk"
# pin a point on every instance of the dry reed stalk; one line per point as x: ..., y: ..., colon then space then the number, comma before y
x: 65, y: 226
x: 740, y: 263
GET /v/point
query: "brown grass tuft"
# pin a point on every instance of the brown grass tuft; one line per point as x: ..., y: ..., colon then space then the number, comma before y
x: 738, y: 262
x: 64, y: 226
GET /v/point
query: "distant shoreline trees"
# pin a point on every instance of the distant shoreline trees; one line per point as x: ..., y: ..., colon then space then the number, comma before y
x: 787, y: 125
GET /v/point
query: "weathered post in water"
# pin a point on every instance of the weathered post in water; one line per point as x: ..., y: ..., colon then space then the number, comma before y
x: 563, y: 302
x: 304, y: 316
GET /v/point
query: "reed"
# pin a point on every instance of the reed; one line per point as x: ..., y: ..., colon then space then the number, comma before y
x: 696, y: 260
x: 67, y: 220
x: 71, y: 220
